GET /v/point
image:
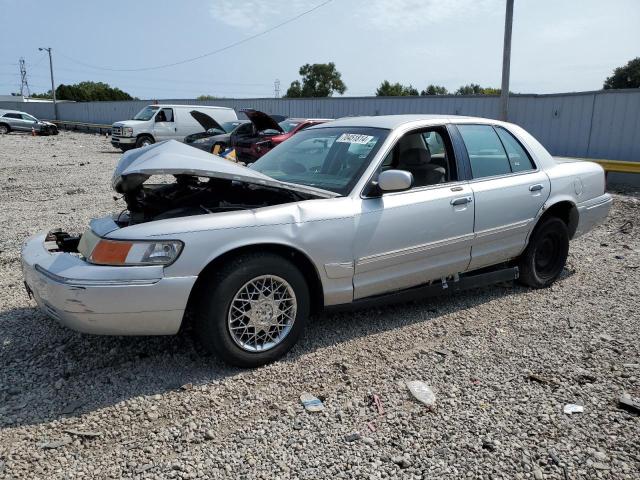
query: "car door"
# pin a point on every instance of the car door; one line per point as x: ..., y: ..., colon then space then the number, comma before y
x: 15, y: 121
x: 509, y: 191
x: 408, y: 238
x: 165, y: 127
x: 28, y: 122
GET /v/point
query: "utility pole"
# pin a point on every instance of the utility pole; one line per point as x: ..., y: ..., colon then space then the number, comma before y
x: 53, y: 86
x: 276, y: 88
x: 506, y: 62
x: 24, y: 84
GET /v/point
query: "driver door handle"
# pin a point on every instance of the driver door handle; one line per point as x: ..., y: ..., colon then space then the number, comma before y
x: 461, y: 201
x: 535, y: 188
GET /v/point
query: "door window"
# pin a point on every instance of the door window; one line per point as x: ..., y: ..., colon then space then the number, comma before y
x: 486, y: 153
x: 28, y: 118
x: 13, y: 115
x: 427, y: 155
x: 165, y: 115
x: 518, y: 157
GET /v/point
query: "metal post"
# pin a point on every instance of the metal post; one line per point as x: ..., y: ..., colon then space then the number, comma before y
x: 53, y: 85
x: 506, y: 62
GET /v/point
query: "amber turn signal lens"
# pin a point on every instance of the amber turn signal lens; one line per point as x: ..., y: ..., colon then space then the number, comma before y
x: 108, y: 252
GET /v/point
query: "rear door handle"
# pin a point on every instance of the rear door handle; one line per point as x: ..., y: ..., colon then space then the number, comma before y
x: 536, y: 187
x: 460, y: 201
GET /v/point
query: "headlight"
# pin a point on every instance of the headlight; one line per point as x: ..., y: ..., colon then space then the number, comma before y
x: 122, y: 252
x: 127, y: 131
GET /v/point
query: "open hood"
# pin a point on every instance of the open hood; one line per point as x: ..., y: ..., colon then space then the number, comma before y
x: 261, y: 120
x: 205, y: 120
x: 175, y: 158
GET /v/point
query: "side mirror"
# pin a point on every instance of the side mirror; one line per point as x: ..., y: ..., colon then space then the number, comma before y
x: 395, y: 181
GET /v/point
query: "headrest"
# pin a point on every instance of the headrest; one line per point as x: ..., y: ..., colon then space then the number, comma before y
x: 415, y: 157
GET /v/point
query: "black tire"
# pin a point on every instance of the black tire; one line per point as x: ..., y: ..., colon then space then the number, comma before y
x: 144, y: 140
x: 544, y: 258
x: 4, y: 128
x: 127, y: 148
x: 217, y: 293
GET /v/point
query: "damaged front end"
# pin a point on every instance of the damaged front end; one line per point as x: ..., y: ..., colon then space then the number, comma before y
x: 201, y: 184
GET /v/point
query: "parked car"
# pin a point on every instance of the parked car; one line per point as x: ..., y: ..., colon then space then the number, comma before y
x: 14, y: 120
x: 268, y: 132
x: 155, y: 123
x: 349, y: 213
x: 215, y: 134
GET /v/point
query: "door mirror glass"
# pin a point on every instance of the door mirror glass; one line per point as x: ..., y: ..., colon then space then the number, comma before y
x: 395, y: 181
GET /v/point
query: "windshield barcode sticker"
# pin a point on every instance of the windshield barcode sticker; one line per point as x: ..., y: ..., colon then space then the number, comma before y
x: 354, y: 138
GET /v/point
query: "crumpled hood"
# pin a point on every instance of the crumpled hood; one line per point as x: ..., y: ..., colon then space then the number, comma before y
x: 175, y: 158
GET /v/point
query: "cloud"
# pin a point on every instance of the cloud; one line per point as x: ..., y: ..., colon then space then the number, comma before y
x: 413, y: 14
x: 253, y: 16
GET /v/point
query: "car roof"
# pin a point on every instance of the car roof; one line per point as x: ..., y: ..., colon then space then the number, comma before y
x: 394, y: 121
x: 192, y: 107
x: 304, y: 119
x: 2, y: 111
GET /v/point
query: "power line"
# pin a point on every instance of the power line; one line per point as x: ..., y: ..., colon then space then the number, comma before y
x: 208, y: 54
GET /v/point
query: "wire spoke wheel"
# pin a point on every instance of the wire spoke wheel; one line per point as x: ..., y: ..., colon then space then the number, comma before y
x: 262, y: 313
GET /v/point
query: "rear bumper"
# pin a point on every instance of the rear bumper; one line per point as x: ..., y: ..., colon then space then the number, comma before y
x: 104, y: 300
x: 593, y: 212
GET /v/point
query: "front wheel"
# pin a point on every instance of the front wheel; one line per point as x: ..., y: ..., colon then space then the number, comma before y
x: 144, y: 141
x: 4, y: 129
x: 544, y: 258
x: 253, y: 310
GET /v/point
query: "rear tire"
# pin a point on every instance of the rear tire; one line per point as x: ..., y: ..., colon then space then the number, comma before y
x: 544, y: 258
x: 143, y: 141
x: 253, y: 309
x: 4, y: 128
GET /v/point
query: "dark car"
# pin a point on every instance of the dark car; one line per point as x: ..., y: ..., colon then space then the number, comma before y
x: 215, y: 134
x: 269, y: 131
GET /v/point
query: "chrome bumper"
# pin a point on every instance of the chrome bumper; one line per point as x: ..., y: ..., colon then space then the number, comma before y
x: 593, y: 212
x: 100, y: 299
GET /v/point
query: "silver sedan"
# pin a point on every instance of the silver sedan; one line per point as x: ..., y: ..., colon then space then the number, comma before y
x: 352, y: 212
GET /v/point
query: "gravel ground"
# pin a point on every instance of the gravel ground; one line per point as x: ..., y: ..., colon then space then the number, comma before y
x: 502, y: 361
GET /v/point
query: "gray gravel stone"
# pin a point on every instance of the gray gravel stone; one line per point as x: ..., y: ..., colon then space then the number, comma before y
x: 160, y: 402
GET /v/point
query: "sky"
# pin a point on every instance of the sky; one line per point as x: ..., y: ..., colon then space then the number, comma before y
x: 558, y: 45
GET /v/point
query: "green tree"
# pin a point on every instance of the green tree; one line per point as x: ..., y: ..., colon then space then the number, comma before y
x: 206, y: 97
x: 318, y: 80
x: 87, y: 92
x: 46, y: 95
x: 387, y: 89
x: 475, y: 89
x: 434, y: 90
x: 627, y: 76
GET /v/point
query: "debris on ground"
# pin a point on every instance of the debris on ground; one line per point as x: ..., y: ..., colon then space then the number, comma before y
x: 627, y: 402
x: 83, y: 433
x: 50, y: 445
x: 422, y: 392
x: 572, y: 408
x: 311, y: 403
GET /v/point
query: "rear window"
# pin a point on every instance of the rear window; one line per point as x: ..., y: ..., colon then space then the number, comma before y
x: 486, y: 153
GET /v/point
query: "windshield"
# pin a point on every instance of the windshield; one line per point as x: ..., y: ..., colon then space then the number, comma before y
x: 288, y: 125
x: 231, y: 126
x: 331, y: 158
x: 146, y: 113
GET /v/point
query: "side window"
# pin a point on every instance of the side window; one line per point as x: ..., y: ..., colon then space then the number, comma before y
x: 486, y: 153
x: 427, y: 154
x: 518, y: 157
x: 165, y: 115
x: 12, y: 115
x: 28, y: 118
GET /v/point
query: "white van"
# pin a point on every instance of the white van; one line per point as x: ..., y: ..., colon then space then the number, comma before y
x: 155, y: 123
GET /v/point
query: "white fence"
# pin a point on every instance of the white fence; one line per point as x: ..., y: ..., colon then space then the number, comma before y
x: 601, y: 124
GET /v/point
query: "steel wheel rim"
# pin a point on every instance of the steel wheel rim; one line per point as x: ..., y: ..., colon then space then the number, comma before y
x: 547, y: 256
x: 262, y: 313
x: 146, y: 143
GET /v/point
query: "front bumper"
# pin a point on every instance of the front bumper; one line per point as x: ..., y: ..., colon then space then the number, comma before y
x: 592, y: 212
x: 126, y: 141
x: 104, y: 300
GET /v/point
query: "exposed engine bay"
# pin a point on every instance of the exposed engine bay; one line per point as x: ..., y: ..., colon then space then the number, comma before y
x: 191, y: 195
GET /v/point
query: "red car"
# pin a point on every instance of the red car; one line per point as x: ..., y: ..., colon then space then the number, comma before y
x: 268, y: 133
